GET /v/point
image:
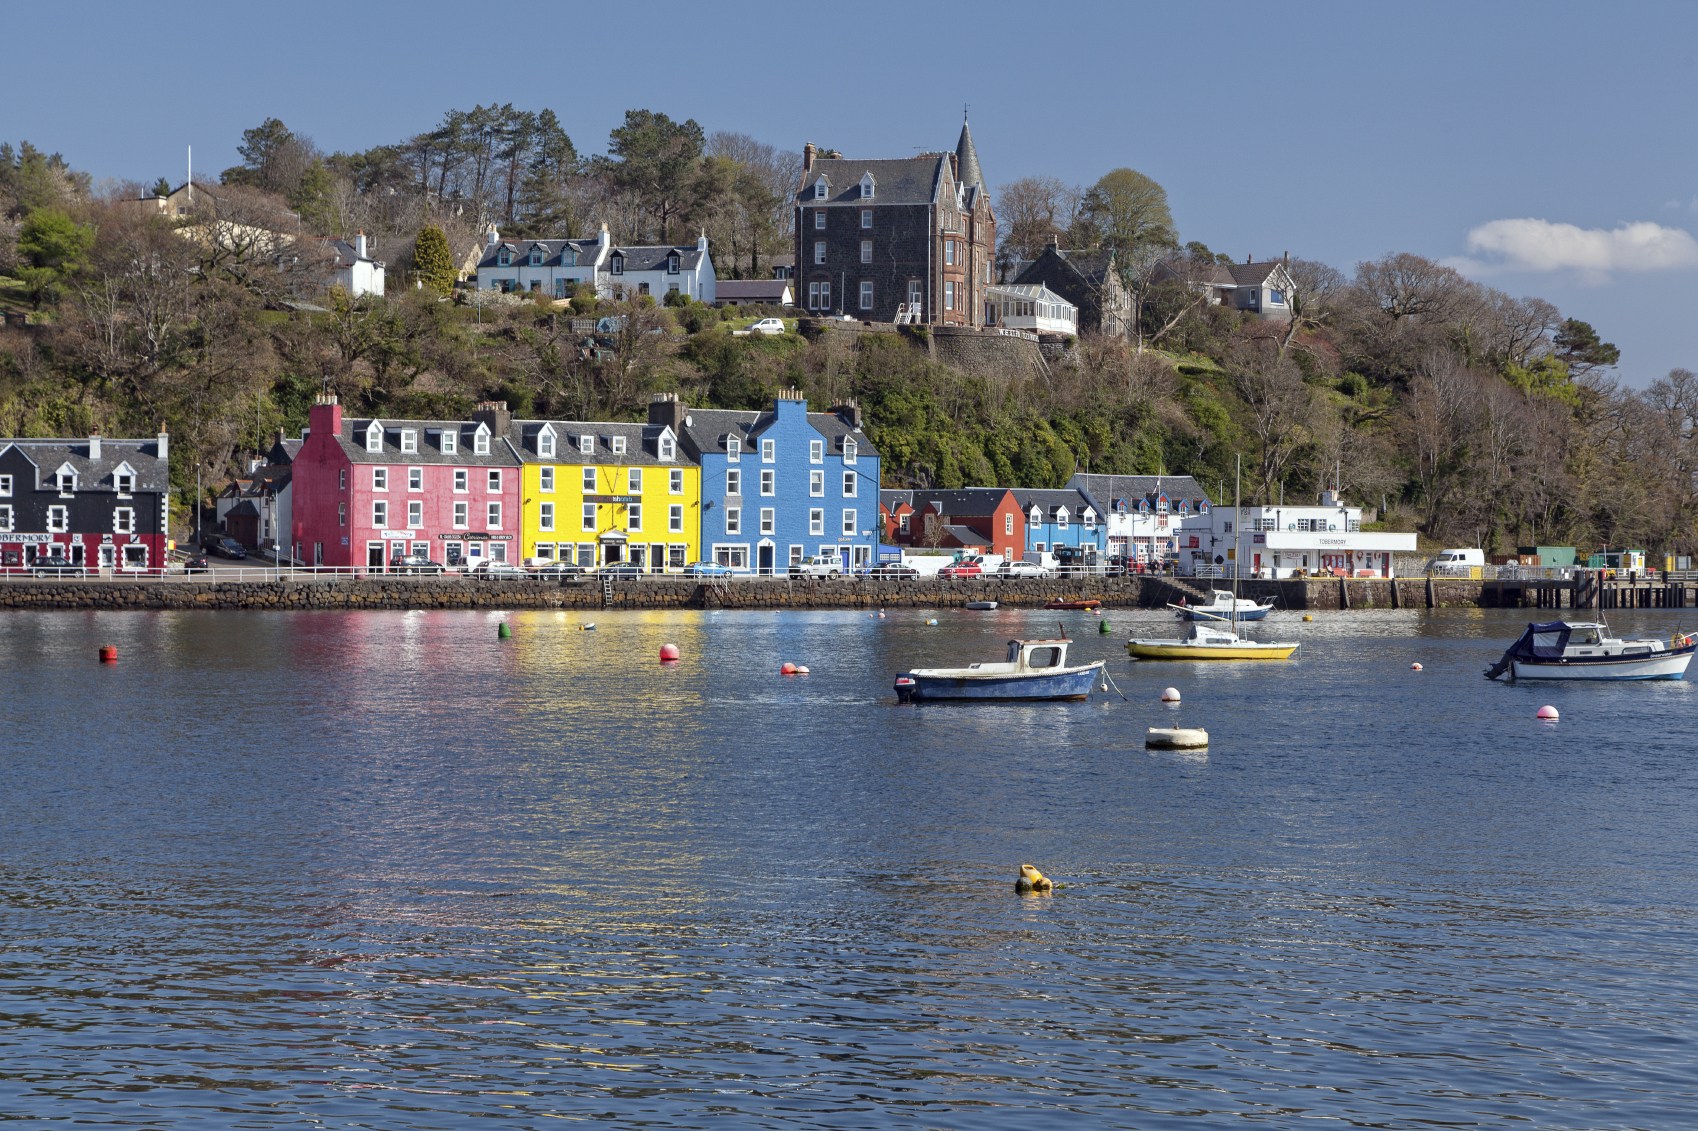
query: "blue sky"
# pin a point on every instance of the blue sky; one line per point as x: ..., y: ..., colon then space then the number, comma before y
x: 1545, y: 148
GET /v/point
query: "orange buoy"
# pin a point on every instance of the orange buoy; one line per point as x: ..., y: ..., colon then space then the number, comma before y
x: 787, y: 669
x: 108, y: 654
x: 1415, y: 667
x: 1547, y: 712
x: 669, y: 651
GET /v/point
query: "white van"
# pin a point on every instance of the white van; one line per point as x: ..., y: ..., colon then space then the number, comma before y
x: 1457, y: 563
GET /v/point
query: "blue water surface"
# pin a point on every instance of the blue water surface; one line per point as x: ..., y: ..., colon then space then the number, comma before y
x: 385, y: 870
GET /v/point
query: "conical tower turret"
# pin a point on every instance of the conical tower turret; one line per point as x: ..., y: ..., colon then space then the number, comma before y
x: 967, y: 160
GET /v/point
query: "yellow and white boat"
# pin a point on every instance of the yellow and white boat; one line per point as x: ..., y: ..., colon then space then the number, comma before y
x: 1208, y: 643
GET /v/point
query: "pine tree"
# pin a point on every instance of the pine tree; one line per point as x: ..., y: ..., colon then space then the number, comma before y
x: 433, y: 261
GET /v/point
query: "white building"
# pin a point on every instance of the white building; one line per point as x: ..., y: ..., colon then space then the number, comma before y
x: 1145, y: 512
x: 1277, y: 541
x: 555, y: 267
x: 1031, y: 307
x: 355, y: 270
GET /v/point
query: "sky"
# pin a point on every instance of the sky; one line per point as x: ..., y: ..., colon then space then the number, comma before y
x: 1546, y: 149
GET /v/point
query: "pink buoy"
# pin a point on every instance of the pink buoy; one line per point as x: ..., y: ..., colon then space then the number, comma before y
x: 1415, y: 667
x: 787, y: 669
x: 1547, y: 712
x: 801, y: 669
x: 669, y: 651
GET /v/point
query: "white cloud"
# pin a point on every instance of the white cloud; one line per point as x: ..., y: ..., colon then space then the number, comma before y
x: 1539, y: 245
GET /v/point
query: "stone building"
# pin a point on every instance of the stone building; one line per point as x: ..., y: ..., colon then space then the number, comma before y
x: 1088, y: 280
x: 916, y: 233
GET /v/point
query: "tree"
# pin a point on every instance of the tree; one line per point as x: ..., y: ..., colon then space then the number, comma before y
x: 656, y: 159
x: 51, y: 247
x: 1582, y: 351
x: 1128, y: 212
x: 433, y: 261
x: 31, y: 179
x: 162, y: 187
x: 1314, y: 286
x: 1031, y: 212
x: 1281, y: 406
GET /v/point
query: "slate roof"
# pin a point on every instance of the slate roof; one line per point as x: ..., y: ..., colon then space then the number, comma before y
x: 891, y: 501
x: 152, y: 473
x: 642, y: 443
x: 1045, y: 498
x: 654, y: 258
x: 758, y: 290
x: 1253, y: 274
x: 1105, y: 489
x: 552, y: 251
x: 967, y: 162
x: 707, y: 429
x: 912, y: 180
x: 346, y: 253
x: 353, y: 437
x: 1092, y: 266
x: 963, y: 501
x: 966, y: 535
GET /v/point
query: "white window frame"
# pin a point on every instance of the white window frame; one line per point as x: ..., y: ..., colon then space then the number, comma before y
x: 586, y: 445
x: 668, y: 447
x: 769, y: 451
x: 949, y: 253
x: 123, y: 520
x: 866, y: 251
x: 816, y: 451
x: 769, y: 519
x: 675, y: 518
x: 866, y: 219
x: 415, y: 479
x: 545, y: 480
x: 618, y: 445
x: 6, y: 517
x: 816, y: 484
x: 816, y: 522
x: 634, y: 481
x: 866, y: 294
x: 410, y: 441
x: 462, y: 515
x: 380, y: 514
x: 819, y: 219
x: 733, y: 481
x: 819, y: 252
x: 820, y: 189
x: 495, y: 480
x: 733, y: 520
x: 851, y: 522
x: 480, y: 441
x: 380, y: 479
x: 545, y: 516
x: 769, y: 483
x: 850, y: 450
x: 5, y: 486
x: 675, y: 481
x: 415, y: 514
x: 588, y: 480
x: 733, y: 450
x: 374, y: 437
x: 1008, y: 523
x: 589, y: 517
x: 58, y: 520
x: 341, y: 514
x: 545, y: 444
x: 462, y: 479
x: 634, y: 517
x: 868, y: 186
x: 494, y: 512
x: 126, y: 485
x: 949, y: 294
x: 449, y: 441
x: 851, y: 485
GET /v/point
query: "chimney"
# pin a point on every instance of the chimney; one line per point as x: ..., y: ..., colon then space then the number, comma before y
x: 1249, y: 259
x: 360, y: 246
x: 494, y: 235
x: 325, y: 416
x: 666, y: 408
x: 494, y: 414
x: 1055, y: 239
x: 94, y: 444
x: 954, y: 168
x: 164, y: 441
x: 850, y: 411
x: 809, y: 152
x: 701, y: 241
x: 787, y: 401
x: 604, y: 239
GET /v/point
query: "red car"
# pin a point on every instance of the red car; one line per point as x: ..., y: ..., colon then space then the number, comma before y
x: 966, y: 567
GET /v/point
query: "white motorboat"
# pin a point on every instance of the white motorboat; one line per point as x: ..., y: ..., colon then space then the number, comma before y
x: 1033, y: 669
x: 1585, y: 650
x: 1225, y: 607
x: 1208, y: 643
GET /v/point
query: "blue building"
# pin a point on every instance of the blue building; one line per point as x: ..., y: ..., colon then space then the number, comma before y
x: 783, y: 484
x: 1063, y: 517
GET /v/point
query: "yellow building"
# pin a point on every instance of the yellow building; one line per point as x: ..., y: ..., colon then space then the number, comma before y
x: 596, y: 493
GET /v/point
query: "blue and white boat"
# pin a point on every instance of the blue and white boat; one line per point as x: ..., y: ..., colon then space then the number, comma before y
x: 1226, y: 607
x: 1034, y: 669
x: 1585, y: 650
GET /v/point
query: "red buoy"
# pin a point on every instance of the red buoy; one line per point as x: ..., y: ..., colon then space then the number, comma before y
x: 108, y: 654
x: 669, y: 651
x: 787, y: 669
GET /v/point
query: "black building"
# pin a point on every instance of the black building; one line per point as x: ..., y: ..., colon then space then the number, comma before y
x: 94, y: 503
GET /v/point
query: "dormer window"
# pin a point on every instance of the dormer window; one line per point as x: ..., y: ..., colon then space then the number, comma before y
x: 1061, y: 518
x: 866, y: 186
x: 849, y: 450
x: 586, y: 445
x: 536, y: 255
x: 409, y: 440
x: 819, y: 189
x: 1036, y: 518
x: 733, y: 449
x: 480, y: 440
x: 504, y: 257
x: 672, y: 265
x: 569, y: 257
x: 545, y: 442
x: 618, y: 263
x: 668, y: 448
x: 67, y: 481
x: 618, y: 445
x: 374, y: 437
x: 450, y: 441
x: 124, y: 479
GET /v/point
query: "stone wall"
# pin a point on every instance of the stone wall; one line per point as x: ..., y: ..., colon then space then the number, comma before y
x: 986, y: 353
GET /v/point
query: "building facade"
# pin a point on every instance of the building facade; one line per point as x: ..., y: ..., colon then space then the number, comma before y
x: 597, y: 493
x: 94, y: 503
x: 1063, y: 517
x: 1144, y: 512
x: 1281, y: 541
x: 875, y: 238
x: 367, y: 491
x: 556, y: 267
x: 782, y: 484
x: 988, y: 518
x: 1087, y: 279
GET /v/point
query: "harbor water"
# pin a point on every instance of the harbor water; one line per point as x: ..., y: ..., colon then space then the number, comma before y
x: 389, y: 870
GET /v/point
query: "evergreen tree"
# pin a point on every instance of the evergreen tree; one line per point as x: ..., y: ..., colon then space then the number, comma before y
x: 433, y: 261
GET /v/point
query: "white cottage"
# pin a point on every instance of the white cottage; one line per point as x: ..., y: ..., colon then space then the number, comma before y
x: 1279, y: 541
x: 555, y: 267
x: 1144, y: 512
x: 355, y: 271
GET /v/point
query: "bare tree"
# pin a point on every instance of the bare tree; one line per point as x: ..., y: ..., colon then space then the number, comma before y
x: 1280, y: 404
x: 1314, y: 289
x: 1033, y: 211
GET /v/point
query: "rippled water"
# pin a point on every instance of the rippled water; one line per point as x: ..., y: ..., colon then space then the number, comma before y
x: 388, y: 871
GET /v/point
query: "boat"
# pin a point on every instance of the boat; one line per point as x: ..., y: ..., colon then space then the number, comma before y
x: 1088, y: 603
x: 1225, y: 607
x: 1176, y: 738
x: 1033, y: 669
x: 1206, y: 642
x: 981, y: 606
x: 1585, y: 650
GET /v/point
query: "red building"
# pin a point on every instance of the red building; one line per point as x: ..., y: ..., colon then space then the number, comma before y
x: 367, y: 491
x: 986, y: 518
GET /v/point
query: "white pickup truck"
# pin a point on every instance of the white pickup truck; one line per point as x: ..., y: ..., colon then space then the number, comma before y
x: 816, y: 567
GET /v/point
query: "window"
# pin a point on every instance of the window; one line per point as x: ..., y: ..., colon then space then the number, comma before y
x: 769, y: 451
x: 1275, y: 298
x: 6, y: 517
x: 866, y: 294
x: 795, y: 555
x: 495, y: 481
x: 495, y: 516
x: 816, y: 451
x: 545, y: 516
x: 768, y: 521
x: 733, y: 482
x: 849, y: 449
x: 769, y: 485
x: 586, y: 445
x: 5, y: 486
x: 734, y: 520
x: 642, y: 288
x: 672, y: 265
x: 58, y: 520
x: 415, y: 479
x: 589, y: 516
x: 849, y: 478
x: 536, y: 255
x: 866, y: 251
x: 675, y: 482
x: 341, y: 514
x: 415, y: 515
x: 634, y: 480
x: 816, y: 484
x: 819, y: 219
x: 866, y: 219
x: 374, y: 437
x: 450, y: 441
x: 461, y: 521
x: 545, y: 480
x: 916, y: 295
x: 819, y: 189
x: 589, y: 480
x: 668, y: 447
x: 1061, y: 518
x: 125, y: 484
x: 504, y: 257
x: 124, y: 520
x: 409, y: 440
x: 480, y: 441
x: 733, y: 449
x: 460, y: 480
x: 1008, y: 523
x: 380, y: 479
x: 849, y: 523
x: 675, y: 518
x: 634, y: 516
x: 545, y: 444
x: 949, y: 296
x: 618, y: 445
x: 618, y: 263
x: 380, y: 514
x: 819, y: 251
x: 816, y: 523
x: 949, y: 253
x: 902, y: 523
x: 866, y: 186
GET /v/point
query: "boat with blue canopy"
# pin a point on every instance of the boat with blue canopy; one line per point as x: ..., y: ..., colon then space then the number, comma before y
x: 1585, y: 650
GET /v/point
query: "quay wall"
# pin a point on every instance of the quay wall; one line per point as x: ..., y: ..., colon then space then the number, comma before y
x: 678, y: 592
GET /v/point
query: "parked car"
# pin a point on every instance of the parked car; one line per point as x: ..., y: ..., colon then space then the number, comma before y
x: 620, y: 569
x: 197, y: 565
x: 498, y: 571
x: 414, y: 563
x: 710, y: 569
x: 891, y: 571
x: 816, y: 567
x: 965, y: 567
x: 558, y: 570
x: 57, y: 566
x: 223, y: 545
x: 768, y: 326
x: 1022, y: 569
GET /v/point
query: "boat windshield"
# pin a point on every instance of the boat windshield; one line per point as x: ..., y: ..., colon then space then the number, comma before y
x: 1590, y: 636
x: 1043, y: 657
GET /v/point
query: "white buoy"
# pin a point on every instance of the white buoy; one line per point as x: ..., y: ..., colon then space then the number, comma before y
x: 1548, y: 712
x: 1176, y: 738
x: 1415, y: 667
x: 1171, y: 695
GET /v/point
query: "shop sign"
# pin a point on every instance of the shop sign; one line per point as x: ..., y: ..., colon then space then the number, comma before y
x: 27, y: 539
x: 613, y: 498
x: 475, y: 536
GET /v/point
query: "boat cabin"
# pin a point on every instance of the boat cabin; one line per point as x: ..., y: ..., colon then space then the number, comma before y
x: 1037, y: 654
